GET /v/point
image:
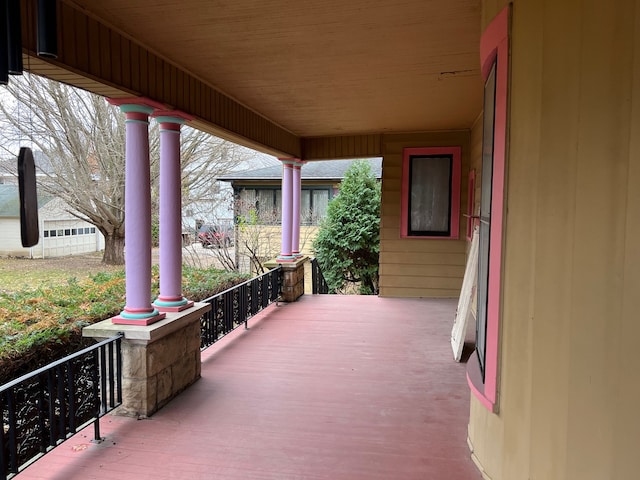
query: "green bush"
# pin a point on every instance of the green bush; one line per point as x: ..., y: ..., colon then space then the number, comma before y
x: 348, y: 243
x: 36, y: 326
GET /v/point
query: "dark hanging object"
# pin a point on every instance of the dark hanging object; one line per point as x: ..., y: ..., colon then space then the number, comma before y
x: 47, y: 29
x: 14, y: 36
x: 29, y: 230
x: 4, y: 48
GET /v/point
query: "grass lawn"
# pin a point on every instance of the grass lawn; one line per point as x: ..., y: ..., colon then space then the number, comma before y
x: 18, y: 274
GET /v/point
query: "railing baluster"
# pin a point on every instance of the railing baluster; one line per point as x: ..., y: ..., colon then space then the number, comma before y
x: 119, y: 372
x: 52, y: 407
x: 103, y: 378
x: 3, y: 459
x: 71, y: 396
x: 62, y: 408
x: 235, y: 306
x: 13, y: 425
x: 112, y: 399
x: 42, y: 412
x: 96, y: 393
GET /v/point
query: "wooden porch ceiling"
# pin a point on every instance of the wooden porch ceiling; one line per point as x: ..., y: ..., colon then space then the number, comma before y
x: 320, y: 68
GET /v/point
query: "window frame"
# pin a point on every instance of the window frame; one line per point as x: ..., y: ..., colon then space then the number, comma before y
x: 454, y: 190
x: 471, y: 204
x: 494, y: 49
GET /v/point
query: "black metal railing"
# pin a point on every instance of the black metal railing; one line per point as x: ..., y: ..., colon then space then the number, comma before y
x: 237, y: 305
x: 45, y: 407
x: 319, y: 285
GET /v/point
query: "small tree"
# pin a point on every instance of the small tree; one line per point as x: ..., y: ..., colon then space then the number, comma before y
x: 348, y: 243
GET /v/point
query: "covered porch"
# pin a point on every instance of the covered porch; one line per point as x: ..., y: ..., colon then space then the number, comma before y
x: 328, y: 387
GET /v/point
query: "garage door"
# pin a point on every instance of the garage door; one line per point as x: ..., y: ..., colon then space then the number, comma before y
x: 68, y: 237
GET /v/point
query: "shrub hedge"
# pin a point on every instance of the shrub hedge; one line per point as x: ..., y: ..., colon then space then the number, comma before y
x: 41, y: 325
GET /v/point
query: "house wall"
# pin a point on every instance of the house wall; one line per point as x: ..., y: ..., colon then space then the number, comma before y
x: 10, y: 243
x: 266, y: 240
x: 569, y: 382
x: 419, y: 267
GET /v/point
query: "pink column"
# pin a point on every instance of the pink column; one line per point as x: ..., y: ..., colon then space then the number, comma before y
x: 295, y: 228
x: 287, y: 210
x: 137, y: 226
x: 170, y: 298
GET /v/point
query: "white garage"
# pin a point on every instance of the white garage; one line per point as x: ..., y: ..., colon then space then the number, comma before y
x: 61, y: 234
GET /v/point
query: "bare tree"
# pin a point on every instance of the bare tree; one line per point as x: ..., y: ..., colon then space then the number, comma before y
x: 83, y: 138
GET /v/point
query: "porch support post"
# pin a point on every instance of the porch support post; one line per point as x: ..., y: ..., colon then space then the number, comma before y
x: 297, y: 190
x: 287, y: 210
x: 138, y: 309
x: 170, y: 298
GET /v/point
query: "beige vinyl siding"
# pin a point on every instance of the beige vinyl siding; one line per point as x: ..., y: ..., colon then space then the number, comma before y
x: 569, y: 383
x: 418, y: 267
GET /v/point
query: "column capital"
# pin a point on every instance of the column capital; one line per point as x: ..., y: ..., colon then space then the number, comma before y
x: 289, y: 161
x: 175, y: 117
x: 136, y: 104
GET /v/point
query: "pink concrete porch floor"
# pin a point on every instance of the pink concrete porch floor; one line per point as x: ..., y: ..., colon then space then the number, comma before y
x: 329, y: 387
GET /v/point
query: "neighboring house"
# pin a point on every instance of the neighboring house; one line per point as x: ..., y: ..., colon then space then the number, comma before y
x: 258, y: 204
x: 61, y: 233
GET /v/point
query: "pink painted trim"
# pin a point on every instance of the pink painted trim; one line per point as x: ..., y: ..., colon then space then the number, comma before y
x: 454, y: 220
x: 494, y: 44
x: 170, y: 126
x: 118, y: 320
x: 474, y: 379
x: 471, y: 200
x: 170, y: 299
x: 179, y: 308
x: 143, y: 101
x: 138, y: 116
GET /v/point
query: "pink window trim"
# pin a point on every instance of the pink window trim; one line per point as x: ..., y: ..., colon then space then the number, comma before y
x: 454, y: 220
x: 471, y: 200
x: 494, y: 44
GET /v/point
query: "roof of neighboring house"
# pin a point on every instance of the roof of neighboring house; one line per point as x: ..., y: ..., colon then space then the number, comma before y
x: 9, y: 166
x: 10, y: 200
x: 331, y: 170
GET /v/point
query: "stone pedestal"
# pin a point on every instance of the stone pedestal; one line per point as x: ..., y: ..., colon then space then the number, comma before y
x: 158, y: 361
x: 292, y: 278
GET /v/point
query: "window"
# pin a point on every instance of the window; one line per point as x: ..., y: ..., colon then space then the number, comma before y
x: 430, y: 192
x: 67, y: 232
x: 266, y: 203
x: 488, y: 129
x: 313, y: 205
x: 46, y: 233
x: 74, y: 231
x: 482, y: 368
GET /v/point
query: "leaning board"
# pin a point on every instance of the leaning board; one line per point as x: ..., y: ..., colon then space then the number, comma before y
x: 466, y: 297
